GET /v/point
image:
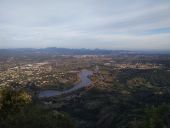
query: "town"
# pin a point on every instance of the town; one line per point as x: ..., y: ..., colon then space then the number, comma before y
x: 90, y: 88
x: 62, y: 70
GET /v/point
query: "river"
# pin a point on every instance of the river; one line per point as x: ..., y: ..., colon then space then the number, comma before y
x: 84, y: 82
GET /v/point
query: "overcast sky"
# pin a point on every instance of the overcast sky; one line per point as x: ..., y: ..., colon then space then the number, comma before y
x: 107, y: 24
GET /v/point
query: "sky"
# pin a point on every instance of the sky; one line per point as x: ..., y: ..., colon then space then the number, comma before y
x: 103, y: 24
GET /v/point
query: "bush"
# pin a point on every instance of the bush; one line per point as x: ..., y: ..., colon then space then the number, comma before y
x: 18, y: 111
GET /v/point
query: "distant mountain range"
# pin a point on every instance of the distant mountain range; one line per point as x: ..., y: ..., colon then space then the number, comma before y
x: 67, y: 51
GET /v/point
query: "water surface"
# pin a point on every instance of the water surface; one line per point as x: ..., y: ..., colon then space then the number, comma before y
x: 84, y: 81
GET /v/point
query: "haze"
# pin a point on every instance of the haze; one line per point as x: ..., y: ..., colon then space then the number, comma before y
x: 106, y: 24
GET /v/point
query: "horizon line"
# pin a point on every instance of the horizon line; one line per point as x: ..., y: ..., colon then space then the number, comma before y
x: 130, y: 50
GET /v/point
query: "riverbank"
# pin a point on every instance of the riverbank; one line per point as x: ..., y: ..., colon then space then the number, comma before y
x: 84, y: 82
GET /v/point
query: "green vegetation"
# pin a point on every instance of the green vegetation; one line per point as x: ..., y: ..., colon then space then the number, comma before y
x: 155, y: 77
x: 127, y: 91
x: 156, y: 116
x: 59, y: 87
x: 139, y: 101
x: 18, y: 111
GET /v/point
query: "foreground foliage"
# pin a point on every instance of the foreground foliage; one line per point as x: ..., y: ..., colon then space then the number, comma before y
x: 18, y: 111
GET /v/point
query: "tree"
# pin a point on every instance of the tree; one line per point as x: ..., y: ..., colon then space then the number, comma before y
x: 155, y: 116
x: 18, y: 111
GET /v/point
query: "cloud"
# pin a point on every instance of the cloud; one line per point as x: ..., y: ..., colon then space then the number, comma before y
x: 109, y: 24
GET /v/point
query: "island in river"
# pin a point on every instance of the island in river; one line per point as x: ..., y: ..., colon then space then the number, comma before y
x: 84, y: 82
